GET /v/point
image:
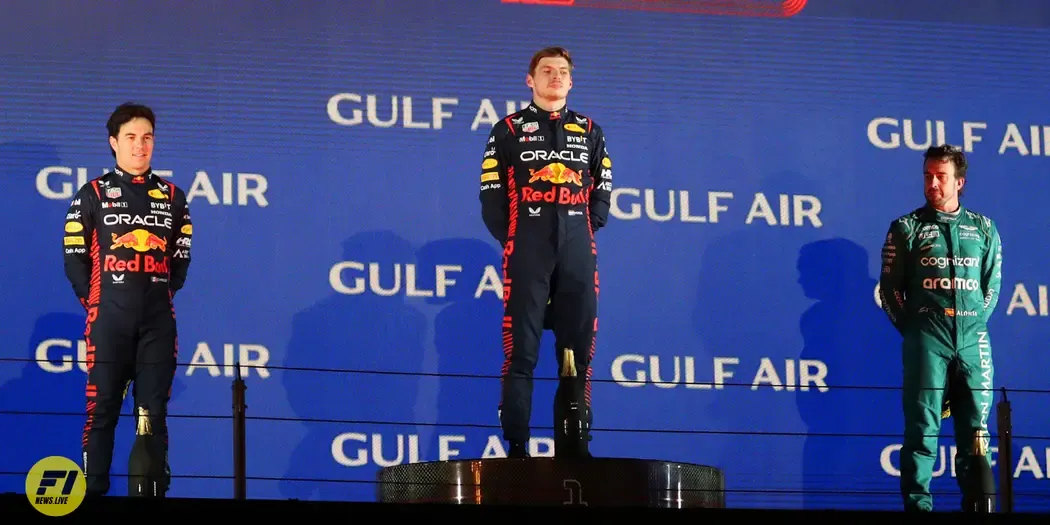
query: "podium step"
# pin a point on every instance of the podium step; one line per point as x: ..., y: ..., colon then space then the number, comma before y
x: 551, y: 481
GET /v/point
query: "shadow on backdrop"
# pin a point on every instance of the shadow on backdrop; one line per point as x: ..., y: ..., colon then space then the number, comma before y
x: 58, y: 388
x: 848, y: 332
x: 34, y: 269
x: 361, y: 330
x: 748, y: 311
x: 468, y: 340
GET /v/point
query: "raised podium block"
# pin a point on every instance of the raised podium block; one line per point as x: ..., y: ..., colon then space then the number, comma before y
x: 550, y: 481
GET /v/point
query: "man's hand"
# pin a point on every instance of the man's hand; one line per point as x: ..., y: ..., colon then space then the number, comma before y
x: 946, y: 409
x: 548, y: 316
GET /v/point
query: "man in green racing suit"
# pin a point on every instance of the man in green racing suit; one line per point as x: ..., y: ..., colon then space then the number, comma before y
x: 941, y: 273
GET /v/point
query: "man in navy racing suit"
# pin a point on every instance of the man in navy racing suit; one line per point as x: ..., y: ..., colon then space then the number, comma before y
x: 127, y: 251
x: 546, y: 181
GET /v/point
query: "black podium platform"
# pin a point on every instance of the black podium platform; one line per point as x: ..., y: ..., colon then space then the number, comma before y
x: 549, y: 481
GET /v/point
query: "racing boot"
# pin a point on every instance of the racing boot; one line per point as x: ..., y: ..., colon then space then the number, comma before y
x: 518, y: 449
x: 147, y: 465
x: 571, y: 415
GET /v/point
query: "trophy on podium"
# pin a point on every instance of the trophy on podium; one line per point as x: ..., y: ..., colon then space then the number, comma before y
x: 572, y: 477
x: 147, y: 465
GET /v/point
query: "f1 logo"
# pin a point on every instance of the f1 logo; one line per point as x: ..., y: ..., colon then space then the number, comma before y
x: 541, y: 2
x: 52, y: 477
x: 55, y: 486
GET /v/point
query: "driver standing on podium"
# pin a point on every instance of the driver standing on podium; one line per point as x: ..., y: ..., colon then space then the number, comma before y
x: 546, y: 180
x: 940, y: 283
x: 126, y: 254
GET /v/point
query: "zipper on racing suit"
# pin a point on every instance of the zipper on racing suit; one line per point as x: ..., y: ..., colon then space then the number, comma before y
x: 950, y: 245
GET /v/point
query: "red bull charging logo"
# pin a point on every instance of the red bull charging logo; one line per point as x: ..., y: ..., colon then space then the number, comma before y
x: 556, y: 173
x: 140, y: 241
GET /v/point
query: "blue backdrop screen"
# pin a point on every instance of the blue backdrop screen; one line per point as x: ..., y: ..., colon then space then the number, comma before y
x: 330, y: 153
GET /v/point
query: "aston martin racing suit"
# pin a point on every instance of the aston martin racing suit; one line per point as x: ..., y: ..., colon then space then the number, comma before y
x: 939, y: 285
x: 546, y: 180
x: 127, y: 251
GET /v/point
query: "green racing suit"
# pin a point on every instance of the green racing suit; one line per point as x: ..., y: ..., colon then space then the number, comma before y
x: 940, y: 280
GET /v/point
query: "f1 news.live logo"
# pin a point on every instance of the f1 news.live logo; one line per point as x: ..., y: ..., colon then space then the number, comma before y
x: 55, y: 486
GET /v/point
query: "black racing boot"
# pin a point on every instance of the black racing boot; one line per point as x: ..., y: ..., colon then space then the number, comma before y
x: 518, y: 449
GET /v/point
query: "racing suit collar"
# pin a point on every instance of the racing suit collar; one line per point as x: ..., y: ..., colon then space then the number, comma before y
x: 936, y: 215
x: 543, y: 114
x: 148, y: 174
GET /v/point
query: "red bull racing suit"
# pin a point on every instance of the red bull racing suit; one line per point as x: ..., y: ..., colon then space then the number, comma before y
x: 940, y: 283
x: 546, y: 181
x: 127, y: 251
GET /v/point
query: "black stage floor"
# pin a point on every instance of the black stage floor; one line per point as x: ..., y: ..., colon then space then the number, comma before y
x: 15, y: 508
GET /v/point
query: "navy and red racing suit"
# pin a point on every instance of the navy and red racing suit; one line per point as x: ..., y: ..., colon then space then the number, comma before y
x: 546, y: 182
x: 127, y: 251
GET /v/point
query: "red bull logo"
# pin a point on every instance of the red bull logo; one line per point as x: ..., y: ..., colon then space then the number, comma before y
x: 556, y: 173
x: 561, y: 195
x: 138, y: 263
x: 140, y: 241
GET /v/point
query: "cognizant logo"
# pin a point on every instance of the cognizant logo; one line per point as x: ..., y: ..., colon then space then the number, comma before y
x: 943, y: 262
